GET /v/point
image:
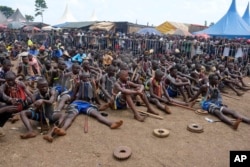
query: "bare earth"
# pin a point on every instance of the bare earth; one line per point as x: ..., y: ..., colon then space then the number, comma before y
x: 181, y: 148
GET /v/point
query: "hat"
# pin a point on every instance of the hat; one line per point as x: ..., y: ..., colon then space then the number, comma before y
x: 24, y: 54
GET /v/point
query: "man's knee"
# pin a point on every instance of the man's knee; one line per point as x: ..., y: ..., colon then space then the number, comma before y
x: 25, y: 113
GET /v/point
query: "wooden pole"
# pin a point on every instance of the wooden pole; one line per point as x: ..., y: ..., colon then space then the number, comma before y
x: 86, y: 125
x: 151, y: 115
x: 182, y: 106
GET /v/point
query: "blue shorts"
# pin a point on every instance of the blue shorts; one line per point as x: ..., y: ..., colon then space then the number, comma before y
x: 210, y: 107
x: 81, y: 107
x: 60, y: 89
x: 36, y: 116
x: 119, y: 102
x: 171, y: 92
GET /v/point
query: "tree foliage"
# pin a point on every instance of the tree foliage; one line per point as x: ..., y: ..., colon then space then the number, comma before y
x: 40, y: 6
x: 7, y: 11
x: 29, y: 18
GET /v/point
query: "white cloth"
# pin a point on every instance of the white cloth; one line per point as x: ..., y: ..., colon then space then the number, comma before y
x: 239, y: 53
x: 226, y: 51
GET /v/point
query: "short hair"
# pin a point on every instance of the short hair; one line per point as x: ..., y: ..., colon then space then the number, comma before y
x: 41, y: 80
x: 10, y: 74
x: 172, y: 68
x: 159, y: 73
x: 212, y: 76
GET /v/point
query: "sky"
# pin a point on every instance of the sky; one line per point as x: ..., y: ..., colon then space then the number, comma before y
x: 151, y: 12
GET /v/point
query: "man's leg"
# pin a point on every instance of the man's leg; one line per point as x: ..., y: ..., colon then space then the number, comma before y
x: 25, y: 116
x: 222, y: 117
x: 104, y: 120
x: 131, y: 104
x: 236, y: 115
x: 145, y: 100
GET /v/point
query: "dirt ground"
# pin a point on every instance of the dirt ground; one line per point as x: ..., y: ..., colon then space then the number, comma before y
x: 95, y: 148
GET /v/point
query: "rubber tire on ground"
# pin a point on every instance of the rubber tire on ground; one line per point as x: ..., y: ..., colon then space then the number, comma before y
x: 161, y: 132
x: 122, y: 152
x: 196, y: 128
x: 201, y: 112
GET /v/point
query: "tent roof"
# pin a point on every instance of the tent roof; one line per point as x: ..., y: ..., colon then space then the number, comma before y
x: 75, y: 24
x: 180, y: 32
x: 230, y: 25
x: 17, y: 17
x: 149, y: 30
x: 246, y: 16
x: 3, y: 19
x: 105, y: 26
x: 67, y: 16
x: 170, y: 26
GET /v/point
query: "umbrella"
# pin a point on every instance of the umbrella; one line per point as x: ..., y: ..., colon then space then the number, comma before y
x: 3, y: 26
x: 31, y: 28
x: 149, y: 30
x: 15, y: 25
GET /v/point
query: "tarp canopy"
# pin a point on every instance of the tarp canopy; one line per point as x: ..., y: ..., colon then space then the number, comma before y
x: 104, y: 26
x: 75, y: 24
x: 149, y: 30
x: 231, y: 25
x: 179, y: 32
x: 16, y: 17
x: 246, y: 16
x: 168, y: 26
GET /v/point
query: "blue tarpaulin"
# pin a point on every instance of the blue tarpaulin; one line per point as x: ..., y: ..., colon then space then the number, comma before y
x: 231, y: 25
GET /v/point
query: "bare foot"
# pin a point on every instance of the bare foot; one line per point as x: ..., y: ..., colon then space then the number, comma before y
x: 48, y: 138
x: 14, y: 119
x: 28, y: 135
x: 59, y: 131
x: 236, y: 124
x: 240, y: 93
x: 140, y: 118
x: 152, y: 112
x: 167, y: 110
x: 116, y: 125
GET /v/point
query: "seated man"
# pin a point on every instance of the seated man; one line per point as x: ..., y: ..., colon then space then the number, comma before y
x: 107, y: 82
x: 42, y: 109
x: 80, y: 107
x: 212, y: 102
x: 176, y: 83
x: 157, y: 94
x: 229, y: 81
x: 124, y: 90
x: 15, y: 93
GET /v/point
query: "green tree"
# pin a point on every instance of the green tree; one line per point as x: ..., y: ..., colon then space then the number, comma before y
x: 40, y: 7
x: 29, y: 18
x: 7, y: 11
